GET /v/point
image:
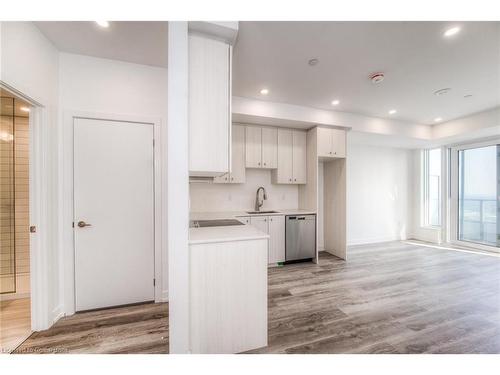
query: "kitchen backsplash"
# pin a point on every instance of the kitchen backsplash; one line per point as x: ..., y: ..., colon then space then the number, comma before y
x: 209, y: 197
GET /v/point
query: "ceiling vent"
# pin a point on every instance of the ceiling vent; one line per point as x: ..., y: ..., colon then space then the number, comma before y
x: 377, y: 77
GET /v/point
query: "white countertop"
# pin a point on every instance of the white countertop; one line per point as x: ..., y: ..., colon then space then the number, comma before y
x: 235, y: 232
x: 225, y: 234
x: 236, y: 214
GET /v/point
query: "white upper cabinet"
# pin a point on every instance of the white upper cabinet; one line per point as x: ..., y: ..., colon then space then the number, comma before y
x: 253, y: 147
x: 261, y: 147
x: 331, y: 143
x: 292, y: 157
x: 237, y: 174
x: 299, y: 158
x: 209, y: 106
x: 284, y: 173
x: 269, y: 148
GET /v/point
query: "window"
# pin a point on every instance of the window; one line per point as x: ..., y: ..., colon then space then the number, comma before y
x: 431, y: 187
x: 478, y: 184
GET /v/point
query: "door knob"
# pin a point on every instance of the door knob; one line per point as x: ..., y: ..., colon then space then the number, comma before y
x: 83, y: 224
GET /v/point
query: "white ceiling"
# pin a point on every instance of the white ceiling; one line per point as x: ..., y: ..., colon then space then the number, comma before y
x: 132, y: 41
x: 415, y: 57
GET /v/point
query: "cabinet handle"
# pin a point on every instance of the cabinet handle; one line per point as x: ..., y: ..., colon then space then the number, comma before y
x: 232, y: 178
x: 295, y: 179
x: 264, y: 163
x: 225, y: 179
x: 290, y: 180
x: 335, y: 153
x: 258, y: 163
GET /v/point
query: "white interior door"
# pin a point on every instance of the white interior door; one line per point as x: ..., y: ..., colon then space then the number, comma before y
x: 114, y: 197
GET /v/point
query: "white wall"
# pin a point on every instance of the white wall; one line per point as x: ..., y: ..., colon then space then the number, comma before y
x: 207, y: 197
x: 29, y: 63
x: 110, y: 86
x: 378, y: 193
x: 102, y: 86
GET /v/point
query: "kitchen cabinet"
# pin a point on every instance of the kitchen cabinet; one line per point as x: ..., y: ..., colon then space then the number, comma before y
x: 209, y: 106
x: 253, y: 145
x: 261, y: 147
x: 299, y: 157
x: 260, y: 222
x: 269, y: 148
x: 276, y: 239
x: 237, y: 174
x: 331, y: 143
x: 275, y: 227
x: 228, y: 296
x: 292, y: 157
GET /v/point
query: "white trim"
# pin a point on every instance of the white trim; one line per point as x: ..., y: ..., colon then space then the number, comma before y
x: 39, y: 212
x: 370, y: 240
x: 66, y: 202
x: 453, y: 194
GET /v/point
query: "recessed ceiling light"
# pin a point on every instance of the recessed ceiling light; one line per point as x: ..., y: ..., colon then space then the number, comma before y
x: 392, y: 111
x: 438, y: 119
x: 24, y: 109
x: 335, y: 102
x: 264, y: 91
x: 103, y: 23
x: 313, y: 62
x: 442, y: 91
x: 452, y: 31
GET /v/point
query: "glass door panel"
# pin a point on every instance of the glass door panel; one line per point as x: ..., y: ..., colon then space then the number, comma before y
x: 478, y: 194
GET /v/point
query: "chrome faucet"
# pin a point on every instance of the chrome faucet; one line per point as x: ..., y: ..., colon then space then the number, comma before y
x: 258, y: 201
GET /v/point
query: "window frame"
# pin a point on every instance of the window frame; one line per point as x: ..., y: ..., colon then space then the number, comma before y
x: 425, y: 189
x: 453, y: 195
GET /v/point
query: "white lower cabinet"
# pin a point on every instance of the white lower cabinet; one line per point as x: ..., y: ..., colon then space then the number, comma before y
x: 228, y: 296
x: 275, y: 227
x: 276, y: 239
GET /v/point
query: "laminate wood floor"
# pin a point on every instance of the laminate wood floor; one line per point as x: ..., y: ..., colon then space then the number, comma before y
x: 130, y: 329
x: 387, y: 298
x: 15, y: 323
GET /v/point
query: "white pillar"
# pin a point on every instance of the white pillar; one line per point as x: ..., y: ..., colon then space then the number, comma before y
x: 178, y: 187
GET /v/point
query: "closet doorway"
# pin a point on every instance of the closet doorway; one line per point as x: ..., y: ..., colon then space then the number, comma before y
x: 15, y: 293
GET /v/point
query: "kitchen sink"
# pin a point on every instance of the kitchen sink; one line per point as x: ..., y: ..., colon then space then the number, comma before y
x: 262, y: 212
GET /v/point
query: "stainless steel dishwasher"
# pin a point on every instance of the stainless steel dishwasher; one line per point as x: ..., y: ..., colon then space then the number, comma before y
x: 300, y: 233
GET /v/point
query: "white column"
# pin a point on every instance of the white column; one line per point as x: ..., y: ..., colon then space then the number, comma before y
x: 178, y: 187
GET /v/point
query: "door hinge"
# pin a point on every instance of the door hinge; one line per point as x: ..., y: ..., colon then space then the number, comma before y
x: 32, y: 229
x: 154, y: 282
x: 153, y: 143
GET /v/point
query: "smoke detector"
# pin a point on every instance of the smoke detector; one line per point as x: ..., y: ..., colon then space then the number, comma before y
x: 377, y: 77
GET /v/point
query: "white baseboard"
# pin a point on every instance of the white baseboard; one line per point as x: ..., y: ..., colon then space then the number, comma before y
x: 164, y: 296
x: 57, y: 314
x: 370, y: 240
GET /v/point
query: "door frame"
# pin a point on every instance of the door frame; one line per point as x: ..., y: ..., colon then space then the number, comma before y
x: 452, y: 222
x: 39, y: 216
x: 67, y: 286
